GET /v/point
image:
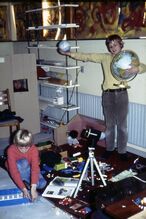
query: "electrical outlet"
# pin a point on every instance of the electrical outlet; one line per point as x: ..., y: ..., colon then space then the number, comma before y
x: 82, y: 69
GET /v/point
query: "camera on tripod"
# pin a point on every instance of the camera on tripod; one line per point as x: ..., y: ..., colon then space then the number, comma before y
x: 92, y: 136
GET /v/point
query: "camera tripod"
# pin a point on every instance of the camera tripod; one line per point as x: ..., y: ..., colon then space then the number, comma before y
x: 91, y: 159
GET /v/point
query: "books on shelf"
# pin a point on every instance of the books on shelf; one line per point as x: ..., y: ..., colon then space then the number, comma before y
x: 60, y: 187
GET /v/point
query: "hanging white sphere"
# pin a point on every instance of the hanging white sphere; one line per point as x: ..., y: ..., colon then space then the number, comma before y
x: 64, y: 46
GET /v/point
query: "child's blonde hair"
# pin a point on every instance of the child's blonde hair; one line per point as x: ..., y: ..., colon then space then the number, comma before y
x: 23, y: 138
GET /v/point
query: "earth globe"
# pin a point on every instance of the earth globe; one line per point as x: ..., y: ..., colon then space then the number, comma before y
x: 121, y: 62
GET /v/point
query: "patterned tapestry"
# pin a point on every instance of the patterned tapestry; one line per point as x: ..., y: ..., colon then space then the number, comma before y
x: 100, y: 19
x: 97, y: 19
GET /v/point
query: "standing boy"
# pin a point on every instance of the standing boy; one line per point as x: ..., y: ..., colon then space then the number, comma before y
x: 114, y: 99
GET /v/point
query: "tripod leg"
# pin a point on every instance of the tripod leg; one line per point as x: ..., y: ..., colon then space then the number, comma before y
x: 81, y: 178
x: 92, y: 171
x: 99, y: 171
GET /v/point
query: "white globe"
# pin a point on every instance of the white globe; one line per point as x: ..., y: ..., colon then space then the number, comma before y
x: 64, y: 46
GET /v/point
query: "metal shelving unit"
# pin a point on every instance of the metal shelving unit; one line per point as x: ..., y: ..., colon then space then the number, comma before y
x: 45, y: 101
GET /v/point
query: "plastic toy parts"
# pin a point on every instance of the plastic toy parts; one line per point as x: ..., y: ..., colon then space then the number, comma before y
x: 64, y: 46
x: 12, y: 196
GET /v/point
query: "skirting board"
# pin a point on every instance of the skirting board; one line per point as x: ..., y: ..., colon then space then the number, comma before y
x: 136, y: 150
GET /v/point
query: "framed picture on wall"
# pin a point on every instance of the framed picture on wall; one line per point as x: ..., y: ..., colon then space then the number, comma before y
x: 20, y: 85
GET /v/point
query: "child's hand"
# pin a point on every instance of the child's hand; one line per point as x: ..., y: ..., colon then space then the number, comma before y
x: 63, y: 53
x: 132, y: 70
x: 26, y: 193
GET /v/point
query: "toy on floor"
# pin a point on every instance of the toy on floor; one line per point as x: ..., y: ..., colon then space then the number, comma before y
x: 75, y: 206
x: 72, y: 139
x: 12, y: 196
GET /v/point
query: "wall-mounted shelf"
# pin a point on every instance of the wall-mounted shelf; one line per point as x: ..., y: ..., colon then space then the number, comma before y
x: 51, y: 124
x: 52, y: 7
x: 55, y: 26
x: 45, y: 83
x: 59, y: 66
x: 47, y: 102
x: 41, y: 46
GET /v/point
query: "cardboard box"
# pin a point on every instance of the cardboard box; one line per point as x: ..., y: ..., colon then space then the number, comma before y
x: 64, y: 154
x: 60, y: 135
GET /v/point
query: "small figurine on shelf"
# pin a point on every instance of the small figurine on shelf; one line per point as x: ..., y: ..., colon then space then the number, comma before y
x: 72, y: 139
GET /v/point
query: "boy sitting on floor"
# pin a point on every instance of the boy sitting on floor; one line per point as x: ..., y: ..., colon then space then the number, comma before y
x: 23, y: 164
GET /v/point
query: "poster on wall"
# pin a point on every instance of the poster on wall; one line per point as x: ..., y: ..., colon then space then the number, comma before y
x: 100, y: 19
x: 20, y: 85
x: 4, y: 33
x: 96, y: 19
x: 21, y: 18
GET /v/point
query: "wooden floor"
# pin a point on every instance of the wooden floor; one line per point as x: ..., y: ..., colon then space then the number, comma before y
x: 115, y: 161
x: 110, y: 195
x: 99, y: 198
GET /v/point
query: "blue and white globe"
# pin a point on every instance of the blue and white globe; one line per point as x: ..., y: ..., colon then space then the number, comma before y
x: 64, y: 46
x: 123, y: 61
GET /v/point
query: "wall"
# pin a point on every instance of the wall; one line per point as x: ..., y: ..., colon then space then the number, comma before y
x: 90, y: 86
x: 6, y: 48
x: 25, y: 104
x: 90, y: 81
x: 6, y: 82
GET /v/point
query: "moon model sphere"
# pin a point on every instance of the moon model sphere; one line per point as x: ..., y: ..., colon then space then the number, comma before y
x: 64, y: 46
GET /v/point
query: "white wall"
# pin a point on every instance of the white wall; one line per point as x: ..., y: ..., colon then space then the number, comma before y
x: 25, y: 104
x: 90, y: 81
x: 137, y: 93
x: 6, y: 48
x: 6, y: 82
